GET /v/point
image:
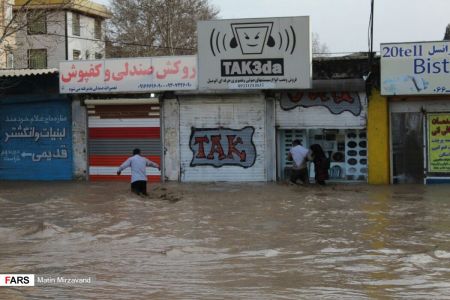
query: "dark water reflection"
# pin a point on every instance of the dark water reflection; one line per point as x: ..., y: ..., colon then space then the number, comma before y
x: 228, y: 241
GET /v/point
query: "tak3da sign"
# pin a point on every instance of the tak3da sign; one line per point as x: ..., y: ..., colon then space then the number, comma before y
x: 270, y: 53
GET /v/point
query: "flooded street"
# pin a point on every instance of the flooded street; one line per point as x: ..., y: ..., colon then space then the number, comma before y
x: 227, y: 241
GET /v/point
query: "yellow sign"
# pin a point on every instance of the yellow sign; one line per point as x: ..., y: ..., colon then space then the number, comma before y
x: 439, y: 143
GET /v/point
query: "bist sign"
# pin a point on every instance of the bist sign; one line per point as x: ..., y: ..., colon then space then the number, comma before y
x: 419, y: 68
x: 270, y: 53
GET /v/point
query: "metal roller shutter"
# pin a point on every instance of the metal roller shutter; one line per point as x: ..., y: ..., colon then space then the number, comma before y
x: 36, y: 141
x: 242, y: 115
x: 114, y: 131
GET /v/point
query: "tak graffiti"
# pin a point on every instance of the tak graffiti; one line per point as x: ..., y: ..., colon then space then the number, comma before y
x: 219, y: 147
x: 336, y: 102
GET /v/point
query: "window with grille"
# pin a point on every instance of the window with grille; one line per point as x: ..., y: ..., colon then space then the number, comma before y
x: 76, y: 24
x: 37, y: 58
x: 37, y: 23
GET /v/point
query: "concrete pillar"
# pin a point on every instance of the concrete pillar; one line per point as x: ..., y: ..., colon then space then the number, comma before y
x: 79, y: 140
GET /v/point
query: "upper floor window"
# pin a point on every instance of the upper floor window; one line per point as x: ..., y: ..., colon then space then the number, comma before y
x: 9, y: 60
x: 98, y: 55
x: 98, y: 29
x: 76, y: 54
x: 76, y: 24
x: 8, y: 12
x: 37, y: 58
x: 37, y: 23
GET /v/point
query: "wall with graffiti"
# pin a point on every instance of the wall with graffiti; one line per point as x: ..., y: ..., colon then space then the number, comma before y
x: 312, y: 109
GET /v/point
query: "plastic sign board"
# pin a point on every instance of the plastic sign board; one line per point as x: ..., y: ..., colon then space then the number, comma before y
x: 169, y: 73
x: 439, y: 143
x: 421, y: 68
x: 270, y: 53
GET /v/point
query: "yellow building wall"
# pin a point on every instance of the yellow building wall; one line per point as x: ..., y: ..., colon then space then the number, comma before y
x: 378, y: 139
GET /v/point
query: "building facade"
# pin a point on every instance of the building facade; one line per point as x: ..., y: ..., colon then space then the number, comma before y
x: 57, y: 31
x: 246, y: 135
x: 6, y: 36
x: 43, y: 133
x: 415, y: 87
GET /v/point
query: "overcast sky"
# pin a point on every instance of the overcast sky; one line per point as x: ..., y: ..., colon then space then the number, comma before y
x: 343, y: 24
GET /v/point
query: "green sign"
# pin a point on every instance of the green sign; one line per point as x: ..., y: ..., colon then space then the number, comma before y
x: 439, y: 143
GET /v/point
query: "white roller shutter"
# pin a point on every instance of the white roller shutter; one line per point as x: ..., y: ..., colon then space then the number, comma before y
x: 231, y: 112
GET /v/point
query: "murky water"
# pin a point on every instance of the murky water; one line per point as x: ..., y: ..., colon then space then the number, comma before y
x: 227, y: 241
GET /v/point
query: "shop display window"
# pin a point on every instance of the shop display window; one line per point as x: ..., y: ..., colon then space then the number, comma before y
x: 346, y: 149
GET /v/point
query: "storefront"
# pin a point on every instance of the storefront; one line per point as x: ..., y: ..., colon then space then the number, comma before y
x: 414, y: 77
x: 335, y: 120
x: 35, y: 128
x: 118, y: 121
x: 115, y: 128
x: 218, y: 138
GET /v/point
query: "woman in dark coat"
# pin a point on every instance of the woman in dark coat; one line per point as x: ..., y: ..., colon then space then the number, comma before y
x: 321, y: 164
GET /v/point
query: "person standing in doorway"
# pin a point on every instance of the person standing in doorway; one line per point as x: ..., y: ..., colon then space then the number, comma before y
x: 137, y: 163
x: 321, y: 164
x: 299, y: 155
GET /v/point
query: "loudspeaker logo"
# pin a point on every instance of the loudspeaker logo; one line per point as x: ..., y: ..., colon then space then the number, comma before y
x: 252, y: 38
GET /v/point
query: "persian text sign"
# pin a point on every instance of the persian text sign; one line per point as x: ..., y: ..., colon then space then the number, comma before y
x: 270, y: 53
x: 438, y: 143
x: 336, y: 102
x: 219, y: 147
x: 415, y: 68
x: 36, y: 141
x: 128, y: 75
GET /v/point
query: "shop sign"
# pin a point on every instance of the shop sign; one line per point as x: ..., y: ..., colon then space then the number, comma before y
x: 219, y: 147
x: 270, y: 53
x: 335, y: 102
x: 421, y: 68
x: 128, y: 75
x: 439, y: 143
x: 36, y: 141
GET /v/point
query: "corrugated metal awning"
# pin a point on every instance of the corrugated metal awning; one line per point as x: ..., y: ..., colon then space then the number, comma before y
x: 26, y: 72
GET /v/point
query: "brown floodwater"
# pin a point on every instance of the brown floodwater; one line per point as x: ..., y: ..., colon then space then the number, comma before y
x: 227, y: 241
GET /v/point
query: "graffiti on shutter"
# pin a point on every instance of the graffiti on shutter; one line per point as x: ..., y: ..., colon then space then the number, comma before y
x: 219, y: 147
x: 336, y: 102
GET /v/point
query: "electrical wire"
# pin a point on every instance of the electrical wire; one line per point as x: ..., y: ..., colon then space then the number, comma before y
x: 370, y: 35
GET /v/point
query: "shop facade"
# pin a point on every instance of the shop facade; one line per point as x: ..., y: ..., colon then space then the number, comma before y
x: 228, y: 137
x: 117, y: 126
x: 414, y: 79
x: 334, y: 115
x: 121, y: 111
x: 205, y: 135
x: 36, y: 137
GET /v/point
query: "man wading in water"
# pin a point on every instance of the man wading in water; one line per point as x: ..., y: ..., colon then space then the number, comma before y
x: 137, y: 163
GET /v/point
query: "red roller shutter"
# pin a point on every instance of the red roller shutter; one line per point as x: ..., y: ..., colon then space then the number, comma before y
x: 115, y: 130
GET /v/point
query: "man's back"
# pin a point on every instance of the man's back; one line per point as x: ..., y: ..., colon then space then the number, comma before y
x: 137, y: 164
x: 299, y: 153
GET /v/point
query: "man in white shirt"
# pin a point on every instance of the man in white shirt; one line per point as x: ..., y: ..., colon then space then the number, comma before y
x: 137, y: 163
x: 299, y: 155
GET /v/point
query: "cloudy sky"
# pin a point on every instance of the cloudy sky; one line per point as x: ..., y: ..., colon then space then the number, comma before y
x: 343, y: 24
